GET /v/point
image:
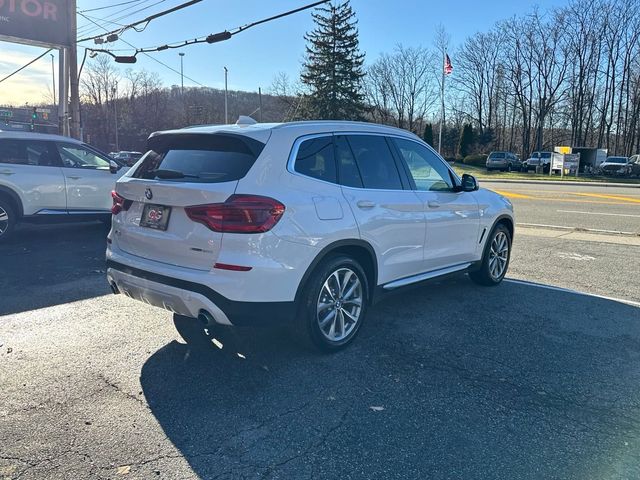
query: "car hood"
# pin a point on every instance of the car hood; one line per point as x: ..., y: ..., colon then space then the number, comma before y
x: 613, y: 165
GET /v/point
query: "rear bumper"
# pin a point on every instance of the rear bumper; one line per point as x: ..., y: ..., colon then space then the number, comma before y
x: 190, y: 299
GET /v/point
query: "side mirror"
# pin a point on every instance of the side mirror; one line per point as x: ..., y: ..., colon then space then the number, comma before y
x: 469, y: 183
x: 113, y: 166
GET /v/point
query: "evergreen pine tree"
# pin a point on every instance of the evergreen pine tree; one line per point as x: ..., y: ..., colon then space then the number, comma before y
x: 333, y: 69
x: 466, y: 140
x: 427, y: 136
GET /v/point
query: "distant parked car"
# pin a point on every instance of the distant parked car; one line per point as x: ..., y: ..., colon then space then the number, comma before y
x: 538, y: 159
x: 504, y: 161
x: 128, y: 158
x: 616, y: 166
x: 49, y: 178
x: 634, y: 163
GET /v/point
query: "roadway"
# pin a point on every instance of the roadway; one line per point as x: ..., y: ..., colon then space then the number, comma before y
x: 580, y: 206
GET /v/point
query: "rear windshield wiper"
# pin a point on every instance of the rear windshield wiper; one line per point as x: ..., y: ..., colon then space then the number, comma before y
x: 169, y: 174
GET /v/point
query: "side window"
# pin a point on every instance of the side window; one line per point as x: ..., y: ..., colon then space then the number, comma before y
x: 315, y: 159
x: 23, y: 152
x: 375, y: 162
x: 77, y: 156
x: 349, y: 173
x: 429, y: 173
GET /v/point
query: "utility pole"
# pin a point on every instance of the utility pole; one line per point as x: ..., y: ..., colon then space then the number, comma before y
x: 63, y: 97
x: 115, y: 113
x: 444, y: 60
x: 73, y: 73
x: 181, y: 73
x: 226, y: 104
x: 53, y: 80
x: 260, y: 97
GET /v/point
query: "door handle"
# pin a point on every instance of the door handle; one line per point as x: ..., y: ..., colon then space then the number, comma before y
x: 433, y: 204
x: 74, y: 177
x: 365, y: 204
x: 7, y: 172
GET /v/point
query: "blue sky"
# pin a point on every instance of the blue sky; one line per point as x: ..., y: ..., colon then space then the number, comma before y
x: 255, y: 56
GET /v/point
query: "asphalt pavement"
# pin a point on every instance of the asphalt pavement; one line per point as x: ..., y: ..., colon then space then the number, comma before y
x: 578, y: 205
x: 531, y: 380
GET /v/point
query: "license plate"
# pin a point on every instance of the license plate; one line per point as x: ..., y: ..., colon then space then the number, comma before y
x: 155, y: 216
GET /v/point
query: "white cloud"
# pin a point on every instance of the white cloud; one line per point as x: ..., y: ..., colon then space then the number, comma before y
x: 33, y: 84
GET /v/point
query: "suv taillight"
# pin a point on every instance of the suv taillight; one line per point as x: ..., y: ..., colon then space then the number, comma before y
x: 239, y: 214
x: 119, y: 203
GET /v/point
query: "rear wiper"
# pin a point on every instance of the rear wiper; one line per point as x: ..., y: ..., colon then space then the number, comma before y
x: 169, y: 174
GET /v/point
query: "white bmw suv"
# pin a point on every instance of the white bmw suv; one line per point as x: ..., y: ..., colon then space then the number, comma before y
x: 306, y: 222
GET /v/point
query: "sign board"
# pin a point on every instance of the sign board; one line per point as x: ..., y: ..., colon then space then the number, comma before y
x: 572, y: 163
x: 557, y: 161
x: 43, y: 110
x: 37, y: 22
x: 565, y: 163
x: 6, y: 114
x: 562, y: 149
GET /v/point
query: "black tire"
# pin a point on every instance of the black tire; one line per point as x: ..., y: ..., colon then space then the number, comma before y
x: 309, y: 322
x: 484, y: 275
x: 509, y: 168
x: 8, y: 219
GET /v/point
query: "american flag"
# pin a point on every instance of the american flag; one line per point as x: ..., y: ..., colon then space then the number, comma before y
x: 448, y: 67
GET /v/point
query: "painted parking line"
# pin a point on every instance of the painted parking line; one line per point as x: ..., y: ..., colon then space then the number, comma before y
x: 621, y: 198
x: 575, y: 292
x: 599, y: 213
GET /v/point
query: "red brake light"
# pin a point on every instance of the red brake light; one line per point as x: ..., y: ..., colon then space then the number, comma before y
x: 239, y: 214
x: 119, y: 203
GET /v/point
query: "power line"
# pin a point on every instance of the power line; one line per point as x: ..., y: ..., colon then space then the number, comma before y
x: 89, y: 29
x: 152, y: 58
x: 212, y: 38
x: 25, y: 66
x: 145, y: 20
x: 109, y: 6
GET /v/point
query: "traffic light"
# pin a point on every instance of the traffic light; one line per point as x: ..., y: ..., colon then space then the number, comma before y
x: 34, y: 117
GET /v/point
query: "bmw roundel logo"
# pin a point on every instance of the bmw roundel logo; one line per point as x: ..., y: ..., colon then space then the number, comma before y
x: 148, y: 194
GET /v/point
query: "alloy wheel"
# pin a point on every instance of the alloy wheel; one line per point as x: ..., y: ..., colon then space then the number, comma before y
x: 4, y: 221
x: 339, y: 305
x: 499, y: 255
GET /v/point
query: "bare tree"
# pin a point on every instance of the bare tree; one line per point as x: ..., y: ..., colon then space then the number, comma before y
x: 400, y: 88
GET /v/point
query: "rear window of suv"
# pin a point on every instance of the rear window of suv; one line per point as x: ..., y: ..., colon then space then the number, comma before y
x: 199, y: 158
x: 496, y: 155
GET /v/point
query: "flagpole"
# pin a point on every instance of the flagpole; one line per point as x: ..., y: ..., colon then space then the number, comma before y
x: 444, y: 60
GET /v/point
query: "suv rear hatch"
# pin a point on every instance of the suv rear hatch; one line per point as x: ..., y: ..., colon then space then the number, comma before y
x: 180, y: 170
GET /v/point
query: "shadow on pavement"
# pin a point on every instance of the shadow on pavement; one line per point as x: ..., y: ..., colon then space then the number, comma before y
x: 447, y: 381
x: 44, y: 265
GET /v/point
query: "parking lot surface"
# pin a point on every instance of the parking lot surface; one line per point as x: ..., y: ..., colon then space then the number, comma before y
x: 448, y: 380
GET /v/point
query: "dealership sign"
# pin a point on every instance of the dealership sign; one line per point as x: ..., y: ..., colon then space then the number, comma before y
x: 36, y: 22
